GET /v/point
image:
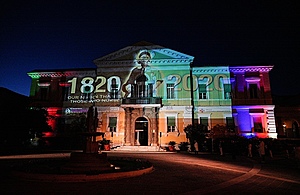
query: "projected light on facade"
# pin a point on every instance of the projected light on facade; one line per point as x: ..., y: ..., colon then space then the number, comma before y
x: 150, y: 85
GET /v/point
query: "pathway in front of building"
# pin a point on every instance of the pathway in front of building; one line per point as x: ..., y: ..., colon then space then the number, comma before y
x: 178, y: 173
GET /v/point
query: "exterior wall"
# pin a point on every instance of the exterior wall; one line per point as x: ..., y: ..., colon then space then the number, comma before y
x: 252, y: 101
x: 153, y: 83
x: 287, y: 121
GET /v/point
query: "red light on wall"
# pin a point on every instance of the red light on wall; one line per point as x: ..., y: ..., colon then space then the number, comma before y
x: 48, y: 134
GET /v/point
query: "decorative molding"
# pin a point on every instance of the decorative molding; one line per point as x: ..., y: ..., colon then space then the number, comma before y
x: 43, y: 84
x: 211, y: 69
x: 112, y: 59
x: 250, y: 69
x: 64, y: 84
x: 61, y: 74
x: 252, y: 79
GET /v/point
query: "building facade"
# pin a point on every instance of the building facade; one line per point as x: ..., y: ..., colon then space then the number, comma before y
x: 287, y: 116
x: 145, y: 95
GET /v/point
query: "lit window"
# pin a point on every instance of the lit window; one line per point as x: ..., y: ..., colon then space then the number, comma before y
x: 202, y: 91
x: 171, y: 124
x: 257, y: 124
x: 170, y: 91
x: 112, y: 124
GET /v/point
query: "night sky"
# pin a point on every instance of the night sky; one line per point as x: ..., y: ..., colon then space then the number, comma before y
x: 71, y: 34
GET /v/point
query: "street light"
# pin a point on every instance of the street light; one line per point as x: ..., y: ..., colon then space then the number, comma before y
x: 284, y: 128
x: 192, y: 95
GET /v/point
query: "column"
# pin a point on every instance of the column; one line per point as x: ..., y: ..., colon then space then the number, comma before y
x: 127, y: 126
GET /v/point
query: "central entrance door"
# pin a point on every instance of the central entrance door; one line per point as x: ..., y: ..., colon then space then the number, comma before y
x: 141, y: 131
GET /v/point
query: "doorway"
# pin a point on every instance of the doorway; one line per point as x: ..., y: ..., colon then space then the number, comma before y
x: 141, y: 131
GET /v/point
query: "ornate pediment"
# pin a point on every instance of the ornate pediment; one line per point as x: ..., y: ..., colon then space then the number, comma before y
x: 132, y: 54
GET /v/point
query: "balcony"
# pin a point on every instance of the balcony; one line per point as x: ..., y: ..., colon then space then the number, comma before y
x: 142, y: 100
x: 252, y: 101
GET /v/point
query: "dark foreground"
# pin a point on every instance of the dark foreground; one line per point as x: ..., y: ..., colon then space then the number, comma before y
x: 176, y: 173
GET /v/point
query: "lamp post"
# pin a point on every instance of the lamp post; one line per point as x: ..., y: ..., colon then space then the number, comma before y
x: 284, y: 129
x: 192, y: 95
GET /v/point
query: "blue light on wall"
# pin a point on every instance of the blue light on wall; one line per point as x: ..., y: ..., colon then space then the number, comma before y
x: 244, y: 121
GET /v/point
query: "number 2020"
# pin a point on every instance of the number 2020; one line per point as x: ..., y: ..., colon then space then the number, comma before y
x: 210, y: 79
x: 87, y: 84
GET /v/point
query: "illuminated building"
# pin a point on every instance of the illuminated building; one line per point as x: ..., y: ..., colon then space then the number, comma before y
x: 142, y: 94
x: 252, y: 101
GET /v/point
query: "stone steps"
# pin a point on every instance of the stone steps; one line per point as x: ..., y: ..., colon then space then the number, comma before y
x: 137, y: 148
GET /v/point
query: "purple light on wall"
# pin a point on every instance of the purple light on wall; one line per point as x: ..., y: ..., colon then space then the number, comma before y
x: 244, y: 120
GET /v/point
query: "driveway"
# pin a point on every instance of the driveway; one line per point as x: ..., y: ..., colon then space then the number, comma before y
x: 174, y: 173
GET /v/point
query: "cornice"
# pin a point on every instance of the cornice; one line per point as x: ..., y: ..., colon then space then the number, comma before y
x: 251, y: 68
x: 216, y: 69
x: 115, y: 55
x: 153, y: 62
x: 61, y: 74
x: 176, y: 54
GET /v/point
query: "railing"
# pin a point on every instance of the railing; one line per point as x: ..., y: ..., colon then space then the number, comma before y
x: 142, y: 100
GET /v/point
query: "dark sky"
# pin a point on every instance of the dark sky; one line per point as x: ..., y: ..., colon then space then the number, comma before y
x: 71, y: 34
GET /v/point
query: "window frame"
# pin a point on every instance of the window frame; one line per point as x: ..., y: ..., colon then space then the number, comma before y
x: 172, y: 128
x: 253, y: 93
x: 263, y: 122
x: 112, y: 128
x: 170, y: 91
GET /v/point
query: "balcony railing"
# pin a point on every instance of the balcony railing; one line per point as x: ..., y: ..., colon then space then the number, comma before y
x: 142, y: 100
x: 251, y: 101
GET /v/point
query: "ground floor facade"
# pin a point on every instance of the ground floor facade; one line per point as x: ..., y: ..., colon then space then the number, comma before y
x: 157, y: 125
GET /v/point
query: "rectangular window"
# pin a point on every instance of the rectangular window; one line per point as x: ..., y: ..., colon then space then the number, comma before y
x: 114, y: 90
x: 257, y: 125
x: 253, y: 91
x: 170, y: 91
x: 230, y: 124
x: 195, y: 121
x: 114, y: 94
x: 204, y: 121
x: 171, y: 124
x: 202, y: 91
x: 112, y: 124
x: 65, y: 93
x: 227, y: 91
x: 44, y: 93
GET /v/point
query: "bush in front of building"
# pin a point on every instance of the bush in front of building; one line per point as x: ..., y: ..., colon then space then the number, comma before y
x: 196, y: 133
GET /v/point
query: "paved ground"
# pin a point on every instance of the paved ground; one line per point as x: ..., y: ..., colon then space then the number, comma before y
x: 177, y: 173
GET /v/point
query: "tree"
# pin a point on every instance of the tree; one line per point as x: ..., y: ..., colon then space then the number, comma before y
x: 37, y: 121
x: 198, y: 133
